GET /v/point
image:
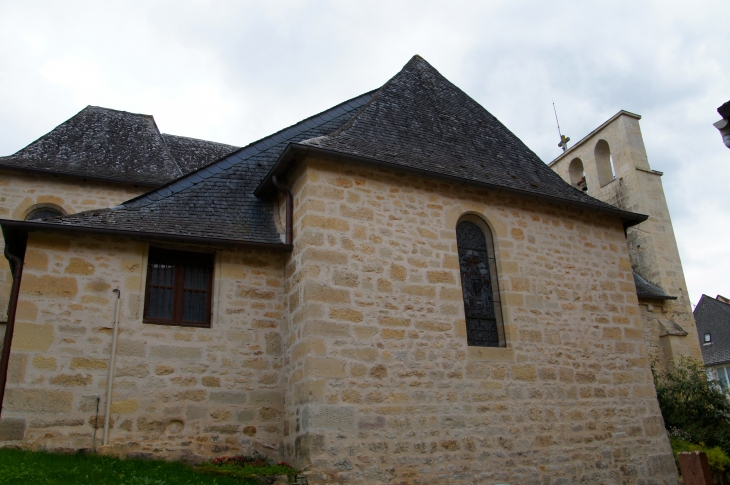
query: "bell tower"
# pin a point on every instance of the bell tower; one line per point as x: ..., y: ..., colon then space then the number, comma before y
x: 611, y: 164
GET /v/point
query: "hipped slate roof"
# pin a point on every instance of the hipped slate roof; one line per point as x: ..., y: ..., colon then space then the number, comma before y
x: 644, y: 289
x: 216, y: 202
x: 713, y: 316
x: 418, y: 121
x: 192, y: 154
x: 106, y: 144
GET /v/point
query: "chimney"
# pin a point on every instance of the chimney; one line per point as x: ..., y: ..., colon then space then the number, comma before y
x: 722, y: 299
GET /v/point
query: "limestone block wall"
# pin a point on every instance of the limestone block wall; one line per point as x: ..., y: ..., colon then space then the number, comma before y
x: 382, y: 387
x: 177, y: 391
x: 652, y: 246
x: 21, y: 193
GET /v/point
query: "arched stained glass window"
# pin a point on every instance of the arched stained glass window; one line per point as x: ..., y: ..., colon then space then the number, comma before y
x: 479, y: 286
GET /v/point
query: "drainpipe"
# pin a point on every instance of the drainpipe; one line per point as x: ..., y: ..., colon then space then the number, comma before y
x: 115, y: 329
x: 289, y: 209
x: 17, y: 266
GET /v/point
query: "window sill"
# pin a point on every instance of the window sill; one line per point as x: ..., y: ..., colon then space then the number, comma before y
x: 176, y: 324
x: 491, y: 354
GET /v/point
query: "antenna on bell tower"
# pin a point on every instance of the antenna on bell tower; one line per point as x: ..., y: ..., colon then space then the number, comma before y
x: 563, y: 139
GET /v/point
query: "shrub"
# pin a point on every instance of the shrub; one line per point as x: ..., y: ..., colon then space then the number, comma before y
x: 718, y: 459
x: 694, y: 406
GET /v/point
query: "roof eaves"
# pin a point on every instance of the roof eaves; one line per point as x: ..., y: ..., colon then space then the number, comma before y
x: 589, y: 135
x: 296, y: 150
x: 79, y: 175
x: 31, y: 226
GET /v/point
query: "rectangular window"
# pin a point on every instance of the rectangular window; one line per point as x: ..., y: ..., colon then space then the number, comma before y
x: 722, y: 376
x: 179, y: 288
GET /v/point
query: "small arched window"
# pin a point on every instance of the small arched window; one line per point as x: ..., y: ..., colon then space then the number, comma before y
x: 604, y: 162
x: 577, y: 174
x: 479, y: 284
x: 43, y: 213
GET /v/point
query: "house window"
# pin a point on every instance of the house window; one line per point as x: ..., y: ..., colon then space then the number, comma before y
x: 723, y: 374
x: 708, y: 338
x: 178, y: 288
x: 479, y: 285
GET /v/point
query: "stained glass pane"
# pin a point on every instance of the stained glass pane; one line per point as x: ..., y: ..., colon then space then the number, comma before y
x: 476, y: 286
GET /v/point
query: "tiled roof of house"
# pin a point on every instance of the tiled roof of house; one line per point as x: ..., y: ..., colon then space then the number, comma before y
x: 644, y: 289
x: 106, y: 144
x: 420, y: 120
x: 713, y: 316
x: 217, y: 201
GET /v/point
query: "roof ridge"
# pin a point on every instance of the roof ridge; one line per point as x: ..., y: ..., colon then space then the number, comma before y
x: 199, y: 139
x: 223, y: 163
x: 167, y: 147
x: 375, y: 95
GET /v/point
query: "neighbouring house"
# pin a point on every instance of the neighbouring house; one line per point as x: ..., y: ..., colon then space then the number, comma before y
x: 713, y: 330
x: 395, y: 290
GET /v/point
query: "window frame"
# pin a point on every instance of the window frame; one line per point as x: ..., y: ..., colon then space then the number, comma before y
x: 494, y: 277
x: 179, y: 259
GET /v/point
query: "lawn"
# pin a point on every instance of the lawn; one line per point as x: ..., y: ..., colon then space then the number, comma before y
x: 26, y: 467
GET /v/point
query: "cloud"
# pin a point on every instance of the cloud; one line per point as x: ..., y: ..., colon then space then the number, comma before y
x: 235, y: 71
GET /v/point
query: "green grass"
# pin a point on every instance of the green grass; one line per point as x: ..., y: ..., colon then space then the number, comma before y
x: 27, y: 467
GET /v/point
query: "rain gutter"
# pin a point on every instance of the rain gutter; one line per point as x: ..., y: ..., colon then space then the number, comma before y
x: 30, y: 226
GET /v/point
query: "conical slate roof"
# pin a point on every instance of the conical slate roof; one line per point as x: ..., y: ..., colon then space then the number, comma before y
x: 420, y: 120
x: 106, y: 144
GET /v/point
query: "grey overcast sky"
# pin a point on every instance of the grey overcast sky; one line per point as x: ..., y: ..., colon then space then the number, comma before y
x: 235, y: 71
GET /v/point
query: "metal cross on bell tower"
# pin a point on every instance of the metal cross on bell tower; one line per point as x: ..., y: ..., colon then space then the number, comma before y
x: 564, y: 142
x: 563, y: 139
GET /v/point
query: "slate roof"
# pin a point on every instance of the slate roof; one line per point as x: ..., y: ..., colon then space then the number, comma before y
x: 420, y: 120
x: 215, y: 202
x: 192, y: 154
x: 106, y: 144
x: 647, y: 290
x: 713, y: 316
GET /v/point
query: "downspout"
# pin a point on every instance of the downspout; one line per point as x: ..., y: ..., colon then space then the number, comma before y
x: 17, y: 267
x: 115, y: 330
x: 289, y: 209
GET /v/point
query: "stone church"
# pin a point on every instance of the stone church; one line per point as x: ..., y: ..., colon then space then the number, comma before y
x: 395, y: 290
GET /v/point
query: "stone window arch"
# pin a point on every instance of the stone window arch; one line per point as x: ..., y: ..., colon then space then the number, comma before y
x: 479, y: 284
x: 604, y: 162
x: 44, y: 211
x: 577, y: 174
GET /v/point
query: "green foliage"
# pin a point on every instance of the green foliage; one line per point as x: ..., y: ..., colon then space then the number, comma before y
x: 718, y: 459
x: 26, y: 467
x: 695, y: 408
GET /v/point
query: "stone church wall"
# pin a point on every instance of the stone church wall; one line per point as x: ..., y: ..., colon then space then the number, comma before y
x: 177, y: 390
x: 23, y: 192
x: 382, y: 386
